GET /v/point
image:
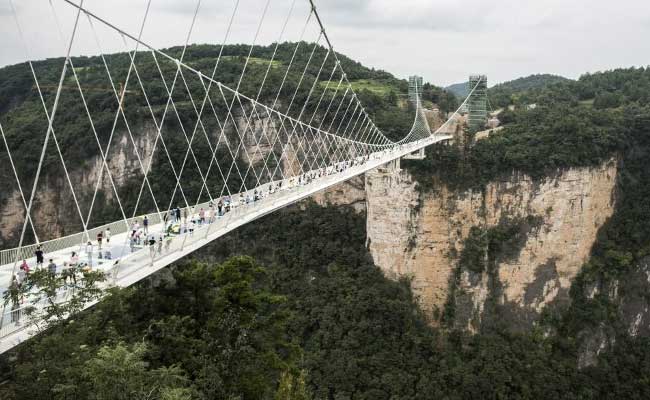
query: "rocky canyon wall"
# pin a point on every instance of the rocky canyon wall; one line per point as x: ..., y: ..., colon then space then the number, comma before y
x: 422, y: 236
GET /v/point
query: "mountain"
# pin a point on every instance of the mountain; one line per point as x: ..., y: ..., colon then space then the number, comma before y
x: 511, y: 267
x: 530, y: 82
x: 460, y: 90
x: 518, y: 85
x: 24, y: 122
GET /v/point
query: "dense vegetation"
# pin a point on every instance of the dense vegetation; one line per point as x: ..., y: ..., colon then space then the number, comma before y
x: 576, y: 124
x: 502, y: 93
x: 317, y: 312
x: 508, y: 93
x: 310, y: 316
x: 536, y: 142
x: 24, y: 121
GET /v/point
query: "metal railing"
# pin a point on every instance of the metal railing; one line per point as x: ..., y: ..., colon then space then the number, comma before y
x: 136, y: 265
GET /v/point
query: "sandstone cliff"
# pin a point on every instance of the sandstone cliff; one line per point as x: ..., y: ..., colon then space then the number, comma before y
x: 54, y: 212
x: 422, y: 237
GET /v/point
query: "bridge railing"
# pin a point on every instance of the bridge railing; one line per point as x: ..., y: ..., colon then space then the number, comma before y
x: 79, y: 239
x: 139, y: 262
x: 14, y: 317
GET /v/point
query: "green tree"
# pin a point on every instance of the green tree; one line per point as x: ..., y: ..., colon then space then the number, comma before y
x: 293, y: 387
x: 121, y: 373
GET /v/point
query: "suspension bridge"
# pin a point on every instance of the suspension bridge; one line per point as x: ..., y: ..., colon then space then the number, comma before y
x: 312, y: 132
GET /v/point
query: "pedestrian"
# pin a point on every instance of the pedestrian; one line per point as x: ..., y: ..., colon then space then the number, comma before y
x: 89, y: 252
x: 160, y: 243
x: 145, y: 224
x: 168, y: 242
x: 191, y: 227
x: 15, y: 297
x: 220, y: 208
x: 152, y: 243
x: 66, y: 271
x: 107, y: 235
x: 202, y: 216
x: 39, y: 256
x: 51, y: 267
x: 178, y: 214
x: 132, y: 243
x: 185, y: 214
x: 25, y: 267
x: 21, y: 276
x: 100, y: 237
x: 74, y: 260
x: 74, y: 264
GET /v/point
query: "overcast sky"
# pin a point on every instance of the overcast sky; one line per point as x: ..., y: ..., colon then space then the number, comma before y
x: 442, y: 40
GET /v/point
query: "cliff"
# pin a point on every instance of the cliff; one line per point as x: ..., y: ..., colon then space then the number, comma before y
x: 423, y: 236
x: 54, y: 212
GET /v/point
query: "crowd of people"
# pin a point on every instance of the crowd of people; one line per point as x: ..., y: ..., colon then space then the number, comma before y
x: 68, y: 273
x: 175, y: 222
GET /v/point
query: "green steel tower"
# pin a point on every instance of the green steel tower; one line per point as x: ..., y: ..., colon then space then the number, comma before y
x: 477, y: 104
x: 415, y: 88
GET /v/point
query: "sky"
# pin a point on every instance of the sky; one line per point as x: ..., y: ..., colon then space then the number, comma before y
x: 442, y: 40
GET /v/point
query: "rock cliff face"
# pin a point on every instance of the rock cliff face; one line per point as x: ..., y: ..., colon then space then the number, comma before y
x: 53, y: 205
x: 629, y: 294
x: 54, y: 211
x: 423, y: 236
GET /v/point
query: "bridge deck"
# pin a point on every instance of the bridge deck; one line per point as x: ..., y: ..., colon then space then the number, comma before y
x: 126, y: 267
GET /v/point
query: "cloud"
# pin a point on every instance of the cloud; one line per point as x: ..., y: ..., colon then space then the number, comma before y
x: 443, y: 40
x: 5, y: 9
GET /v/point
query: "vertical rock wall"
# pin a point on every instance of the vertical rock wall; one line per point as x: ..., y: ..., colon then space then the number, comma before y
x: 422, y: 236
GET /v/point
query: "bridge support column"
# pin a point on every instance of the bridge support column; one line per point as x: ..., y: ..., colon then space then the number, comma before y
x: 418, y: 155
x: 393, y: 165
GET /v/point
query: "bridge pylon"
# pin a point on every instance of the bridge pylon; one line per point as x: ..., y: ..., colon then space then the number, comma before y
x: 477, y: 104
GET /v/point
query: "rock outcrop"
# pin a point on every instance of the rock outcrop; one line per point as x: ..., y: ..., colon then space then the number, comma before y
x: 422, y: 235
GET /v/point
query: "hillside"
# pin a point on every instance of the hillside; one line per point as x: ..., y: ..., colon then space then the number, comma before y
x: 562, y: 151
x: 24, y: 123
x: 311, y: 312
x: 301, y: 304
x: 505, y: 90
x: 530, y: 82
x: 459, y: 90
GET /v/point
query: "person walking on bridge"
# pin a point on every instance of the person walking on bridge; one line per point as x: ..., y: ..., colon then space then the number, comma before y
x: 100, y: 237
x: 89, y: 253
x: 74, y: 260
x: 107, y: 235
x: 39, y: 256
x: 25, y: 267
x: 145, y: 225
x: 51, y: 267
x: 160, y: 243
x: 15, y: 298
x: 152, y: 248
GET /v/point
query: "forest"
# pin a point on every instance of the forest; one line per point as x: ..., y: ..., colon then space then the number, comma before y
x: 24, y: 121
x: 292, y: 306
x: 304, y: 314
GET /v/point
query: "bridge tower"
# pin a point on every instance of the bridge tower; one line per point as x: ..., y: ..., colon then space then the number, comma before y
x: 477, y: 104
x: 415, y: 93
x: 415, y: 89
